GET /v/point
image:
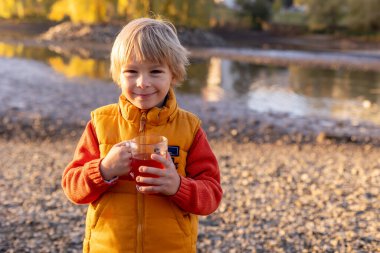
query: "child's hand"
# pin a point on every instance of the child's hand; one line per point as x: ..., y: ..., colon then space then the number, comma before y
x: 166, y: 183
x: 117, y: 161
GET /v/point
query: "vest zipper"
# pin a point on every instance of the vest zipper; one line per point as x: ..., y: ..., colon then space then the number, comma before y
x: 140, y: 220
x: 140, y: 197
x: 142, y: 121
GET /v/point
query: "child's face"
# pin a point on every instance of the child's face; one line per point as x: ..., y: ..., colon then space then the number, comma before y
x: 145, y: 84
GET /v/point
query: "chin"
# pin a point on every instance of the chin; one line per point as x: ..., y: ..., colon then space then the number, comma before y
x: 144, y: 106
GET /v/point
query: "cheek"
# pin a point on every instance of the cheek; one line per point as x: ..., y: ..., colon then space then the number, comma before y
x: 166, y: 82
x: 124, y: 83
x: 124, y: 88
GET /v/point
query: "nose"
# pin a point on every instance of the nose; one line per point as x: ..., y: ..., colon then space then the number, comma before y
x: 142, y: 81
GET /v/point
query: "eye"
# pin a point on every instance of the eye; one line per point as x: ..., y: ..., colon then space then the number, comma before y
x: 129, y: 71
x: 157, y: 71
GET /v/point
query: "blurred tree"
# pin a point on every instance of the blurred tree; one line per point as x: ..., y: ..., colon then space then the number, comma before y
x: 121, y: 6
x: 187, y: 13
x: 22, y: 8
x: 258, y: 10
x: 363, y: 16
x: 202, y: 10
x: 134, y: 8
x: 182, y: 13
x: 224, y: 16
x: 277, y: 6
x: 86, y: 11
x: 287, y: 3
x: 46, y: 5
x: 8, y: 8
x: 326, y: 16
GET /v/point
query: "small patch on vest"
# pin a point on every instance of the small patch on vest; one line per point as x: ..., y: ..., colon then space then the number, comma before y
x: 173, y: 150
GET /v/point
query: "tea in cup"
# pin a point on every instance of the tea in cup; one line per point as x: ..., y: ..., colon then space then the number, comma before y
x: 142, y: 147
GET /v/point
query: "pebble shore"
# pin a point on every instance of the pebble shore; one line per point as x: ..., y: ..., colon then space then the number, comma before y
x: 277, y: 198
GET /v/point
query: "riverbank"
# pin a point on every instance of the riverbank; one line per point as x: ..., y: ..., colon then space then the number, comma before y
x: 24, y: 118
x: 314, y: 50
x: 19, y: 30
x: 277, y: 198
x: 29, y: 111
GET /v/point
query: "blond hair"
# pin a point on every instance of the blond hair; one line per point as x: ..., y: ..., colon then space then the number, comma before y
x: 147, y: 39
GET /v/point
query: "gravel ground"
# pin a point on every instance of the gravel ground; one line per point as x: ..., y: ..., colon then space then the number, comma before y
x: 278, y: 198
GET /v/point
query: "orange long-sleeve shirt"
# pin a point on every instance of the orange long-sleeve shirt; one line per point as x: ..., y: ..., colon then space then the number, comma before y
x: 199, y: 192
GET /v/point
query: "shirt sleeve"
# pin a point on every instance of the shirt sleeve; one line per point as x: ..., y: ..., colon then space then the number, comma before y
x: 82, y: 181
x: 200, y: 191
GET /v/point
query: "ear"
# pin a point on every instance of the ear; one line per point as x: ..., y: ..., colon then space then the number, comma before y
x: 173, y: 82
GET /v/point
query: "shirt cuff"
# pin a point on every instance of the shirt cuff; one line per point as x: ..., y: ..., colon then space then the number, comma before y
x: 112, y: 180
x: 184, y: 191
x: 95, y: 175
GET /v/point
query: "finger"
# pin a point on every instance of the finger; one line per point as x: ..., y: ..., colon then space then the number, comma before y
x: 124, y: 144
x: 152, y: 170
x: 149, y: 189
x: 164, y: 160
x: 148, y: 180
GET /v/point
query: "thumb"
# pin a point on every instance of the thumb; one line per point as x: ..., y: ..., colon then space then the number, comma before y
x: 123, y: 144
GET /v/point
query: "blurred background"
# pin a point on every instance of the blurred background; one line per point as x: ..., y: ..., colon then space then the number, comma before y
x: 298, y: 57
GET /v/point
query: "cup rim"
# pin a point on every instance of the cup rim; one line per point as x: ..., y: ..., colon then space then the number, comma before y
x: 163, y: 139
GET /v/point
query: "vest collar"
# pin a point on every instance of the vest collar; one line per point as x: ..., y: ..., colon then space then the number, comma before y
x: 155, y: 116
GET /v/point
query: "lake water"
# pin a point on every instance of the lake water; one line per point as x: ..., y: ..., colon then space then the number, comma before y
x: 294, y: 89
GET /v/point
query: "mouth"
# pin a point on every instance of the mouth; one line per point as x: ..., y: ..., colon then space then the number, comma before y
x: 144, y: 95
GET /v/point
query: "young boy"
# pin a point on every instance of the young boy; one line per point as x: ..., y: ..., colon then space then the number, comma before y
x: 147, y: 60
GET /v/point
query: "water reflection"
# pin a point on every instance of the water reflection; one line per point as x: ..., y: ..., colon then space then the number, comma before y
x: 213, y: 91
x: 196, y: 77
x: 70, y: 66
x: 293, y: 89
x: 296, y: 90
x: 21, y: 51
x: 77, y: 67
x: 335, y: 84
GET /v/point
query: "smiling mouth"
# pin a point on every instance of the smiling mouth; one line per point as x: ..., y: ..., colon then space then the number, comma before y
x: 145, y: 95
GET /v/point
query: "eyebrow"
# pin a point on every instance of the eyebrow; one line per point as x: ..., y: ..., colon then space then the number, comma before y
x: 135, y: 66
x: 157, y: 66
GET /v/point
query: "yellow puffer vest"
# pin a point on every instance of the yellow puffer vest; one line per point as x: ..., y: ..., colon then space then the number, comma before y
x: 124, y: 220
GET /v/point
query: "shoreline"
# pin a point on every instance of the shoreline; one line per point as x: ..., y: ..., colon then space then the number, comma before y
x: 247, y: 127
x: 277, y: 198
x: 18, y: 29
x: 24, y: 117
x: 95, y: 41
